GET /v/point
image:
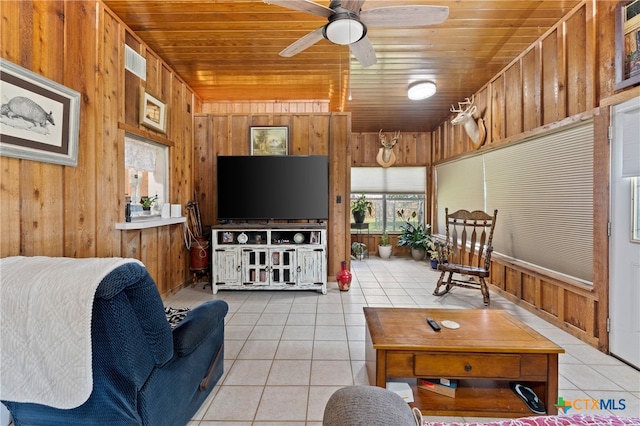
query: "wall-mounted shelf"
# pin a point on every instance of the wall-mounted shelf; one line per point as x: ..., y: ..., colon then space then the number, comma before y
x: 149, y: 223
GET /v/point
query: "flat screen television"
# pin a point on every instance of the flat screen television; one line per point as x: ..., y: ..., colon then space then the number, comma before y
x: 292, y: 187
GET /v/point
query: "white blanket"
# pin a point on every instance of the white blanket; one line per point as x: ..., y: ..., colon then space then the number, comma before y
x: 45, y: 327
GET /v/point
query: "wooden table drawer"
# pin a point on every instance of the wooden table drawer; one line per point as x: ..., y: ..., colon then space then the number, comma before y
x: 503, y: 366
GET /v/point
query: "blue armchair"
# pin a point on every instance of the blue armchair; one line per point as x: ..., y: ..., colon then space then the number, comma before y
x: 144, y: 373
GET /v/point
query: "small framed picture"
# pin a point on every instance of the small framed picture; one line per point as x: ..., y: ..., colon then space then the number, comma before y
x: 227, y: 237
x: 315, y: 237
x: 153, y: 112
x: 627, y: 43
x: 270, y: 140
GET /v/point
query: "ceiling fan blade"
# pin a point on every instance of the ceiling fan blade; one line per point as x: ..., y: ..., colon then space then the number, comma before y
x: 364, y: 52
x: 302, y: 43
x: 404, y: 16
x: 303, y: 6
x: 353, y: 5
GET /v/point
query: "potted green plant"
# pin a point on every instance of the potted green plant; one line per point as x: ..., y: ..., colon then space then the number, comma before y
x: 360, y: 207
x: 148, y: 202
x: 432, y: 251
x: 358, y: 249
x: 384, y: 247
x: 414, y: 235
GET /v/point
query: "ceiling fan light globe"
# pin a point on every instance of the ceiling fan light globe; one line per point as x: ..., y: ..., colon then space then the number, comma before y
x: 420, y: 90
x: 344, y: 29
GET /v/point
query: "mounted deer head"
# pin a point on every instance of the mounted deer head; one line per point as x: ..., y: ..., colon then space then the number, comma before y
x: 386, y: 157
x: 475, y: 129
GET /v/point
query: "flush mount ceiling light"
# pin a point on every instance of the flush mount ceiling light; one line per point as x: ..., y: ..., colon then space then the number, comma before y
x: 344, y: 28
x: 419, y: 90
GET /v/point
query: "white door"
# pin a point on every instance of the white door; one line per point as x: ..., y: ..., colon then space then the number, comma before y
x: 624, y: 280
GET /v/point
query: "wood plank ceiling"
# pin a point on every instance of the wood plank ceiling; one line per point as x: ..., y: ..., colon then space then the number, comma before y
x: 228, y: 50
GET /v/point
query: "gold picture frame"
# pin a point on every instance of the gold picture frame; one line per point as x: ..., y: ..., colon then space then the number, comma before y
x: 627, y: 43
x: 269, y: 140
x: 153, y: 112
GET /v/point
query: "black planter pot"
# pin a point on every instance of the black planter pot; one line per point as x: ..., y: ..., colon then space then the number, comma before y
x: 358, y: 216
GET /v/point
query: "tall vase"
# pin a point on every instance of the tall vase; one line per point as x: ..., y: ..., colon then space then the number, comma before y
x: 344, y: 277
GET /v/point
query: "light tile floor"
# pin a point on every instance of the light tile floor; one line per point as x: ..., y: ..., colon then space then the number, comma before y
x: 286, y: 352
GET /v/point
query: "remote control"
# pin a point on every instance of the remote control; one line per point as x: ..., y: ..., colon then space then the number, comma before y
x: 433, y: 324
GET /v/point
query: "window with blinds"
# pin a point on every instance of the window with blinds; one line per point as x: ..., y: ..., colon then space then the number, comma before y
x: 389, y: 190
x: 543, y: 190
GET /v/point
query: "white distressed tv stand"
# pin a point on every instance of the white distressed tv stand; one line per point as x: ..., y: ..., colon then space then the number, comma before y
x: 288, y: 256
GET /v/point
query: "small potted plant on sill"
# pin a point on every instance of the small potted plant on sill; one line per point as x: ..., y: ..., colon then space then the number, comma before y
x: 414, y: 235
x: 358, y: 249
x: 384, y: 247
x: 147, y: 202
x: 360, y: 207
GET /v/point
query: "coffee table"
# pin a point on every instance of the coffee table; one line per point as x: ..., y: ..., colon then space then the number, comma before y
x: 489, y: 350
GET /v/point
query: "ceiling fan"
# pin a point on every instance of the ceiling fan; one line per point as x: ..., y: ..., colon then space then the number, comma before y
x: 348, y: 23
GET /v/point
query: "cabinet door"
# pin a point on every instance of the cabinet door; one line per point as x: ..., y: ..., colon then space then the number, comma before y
x: 226, y: 266
x: 311, y: 266
x: 255, y: 266
x: 283, y: 266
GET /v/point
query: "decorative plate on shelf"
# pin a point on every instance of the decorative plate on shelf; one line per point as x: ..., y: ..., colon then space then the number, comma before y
x: 298, y: 238
x: 242, y: 238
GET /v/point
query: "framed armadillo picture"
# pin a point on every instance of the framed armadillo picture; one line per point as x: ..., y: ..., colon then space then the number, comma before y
x: 39, y: 118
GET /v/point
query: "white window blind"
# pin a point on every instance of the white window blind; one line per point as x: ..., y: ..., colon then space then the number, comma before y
x: 460, y: 185
x: 543, y: 190
x: 397, y: 180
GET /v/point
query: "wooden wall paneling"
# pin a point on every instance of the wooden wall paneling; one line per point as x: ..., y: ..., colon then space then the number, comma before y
x: 131, y: 244
x: 109, y: 141
x: 41, y: 210
x: 498, y: 125
x: 338, y: 232
x: 423, y: 147
x: 411, y: 150
x: 149, y: 251
x: 80, y: 219
x: 531, y: 89
x: 239, y: 135
x: 550, y: 298
x: 356, y: 146
x: 133, y: 85
x: 165, y: 260
x: 203, y: 166
x: 179, y: 258
x: 48, y: 38
x: 601, y: 173
x: 10, y: 215
x: 551, y: 76
x: 513, y: 283
x: 11, y: 38
x: 371, y: 147
x: 591, y: 55
x: 575, y: 310
x: 513, y: 99
x: 153, y: 83
x: 530, y: 289
x: 605, y: 79
x: 319, y: 133
x: 301, y: 129
x: 42, y: 183
x: 576, y: 62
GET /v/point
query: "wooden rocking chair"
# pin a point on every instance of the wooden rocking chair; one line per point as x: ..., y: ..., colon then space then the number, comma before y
x: 466, y: 251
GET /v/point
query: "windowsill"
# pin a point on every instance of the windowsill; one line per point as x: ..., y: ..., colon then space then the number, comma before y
x: 150, y: 223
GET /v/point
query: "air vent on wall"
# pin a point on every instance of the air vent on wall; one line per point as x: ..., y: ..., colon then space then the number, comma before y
x: 135, y: 63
